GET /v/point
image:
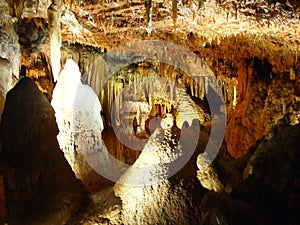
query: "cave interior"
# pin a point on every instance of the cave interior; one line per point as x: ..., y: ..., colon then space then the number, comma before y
x: 150, y: 112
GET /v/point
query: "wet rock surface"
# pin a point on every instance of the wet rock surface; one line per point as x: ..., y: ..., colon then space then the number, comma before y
x: 40, y: 187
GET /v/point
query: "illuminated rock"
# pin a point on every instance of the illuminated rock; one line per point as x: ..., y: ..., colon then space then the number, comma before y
x: 40, y: 187
x: 77, y: 111
x: 54, y: 16
x: 147, y: 193
x: 207, y: 175
x: 9, y: 59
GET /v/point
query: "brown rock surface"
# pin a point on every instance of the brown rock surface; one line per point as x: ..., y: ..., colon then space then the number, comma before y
x: 40, y: 187
x: 268, y: 188
x: 264, y: 97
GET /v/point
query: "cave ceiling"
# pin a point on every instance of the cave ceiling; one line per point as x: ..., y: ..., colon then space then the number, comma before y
x: 213, y: 31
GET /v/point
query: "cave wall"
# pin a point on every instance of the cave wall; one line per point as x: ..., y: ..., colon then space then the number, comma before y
x: 10, y: 55
x: 266, y: 76
x: 264, y: 96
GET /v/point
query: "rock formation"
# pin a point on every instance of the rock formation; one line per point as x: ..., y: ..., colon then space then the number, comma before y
x: 264, y: 97
x: 251, y: 48
x: 54, y: 17
x: 147, y: 193
x: 77, y: 111
x: 40, y: 187
x: 267, y: 181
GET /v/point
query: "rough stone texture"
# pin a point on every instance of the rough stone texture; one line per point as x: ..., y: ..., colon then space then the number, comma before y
x: 264, y: 97
x: 259, y: 53
x: 77, y: 111
x: 145, y: 194
x: 207, y: 175
x: 40, y: 187
x: 146, y: 187
x: 9, y: 54
x: 268, y: 187
x: 273, y: 169
x: 241, y: 49
x: 221, y: 209
x: 35, y: 61
x: 54, y: 21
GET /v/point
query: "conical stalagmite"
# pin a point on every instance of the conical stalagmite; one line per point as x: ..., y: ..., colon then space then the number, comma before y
x: 40, y: 187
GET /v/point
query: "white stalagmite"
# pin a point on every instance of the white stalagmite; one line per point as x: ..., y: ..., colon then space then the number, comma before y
x: 77, y: 110
x: 54, y: 17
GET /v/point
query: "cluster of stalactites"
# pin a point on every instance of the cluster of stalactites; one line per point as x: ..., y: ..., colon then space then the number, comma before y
x: 135, y: 85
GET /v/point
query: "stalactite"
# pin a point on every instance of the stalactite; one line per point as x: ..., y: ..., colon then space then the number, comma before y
x: 161, y: 69
x: 201, y: 88
x: 245, y: 71
x: 149, y: 9
x: 102, y: 94
x: 224, y: 90
x: 172, y: 85
x: 54, y: 17
x: 16, y: 7
x: 116, y: 97
x: 234, y: 96
x: 197, y: 87
x: 206, y: 84
x: 174, y: 13
x: 109, y: 100
x: 135, y: 87
x: 192, y: 86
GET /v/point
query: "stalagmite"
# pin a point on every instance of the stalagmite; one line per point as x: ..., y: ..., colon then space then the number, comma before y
x: 77, y: 111
x: 144, y: 187
x: 40, y: 187
x: 54, y: 17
